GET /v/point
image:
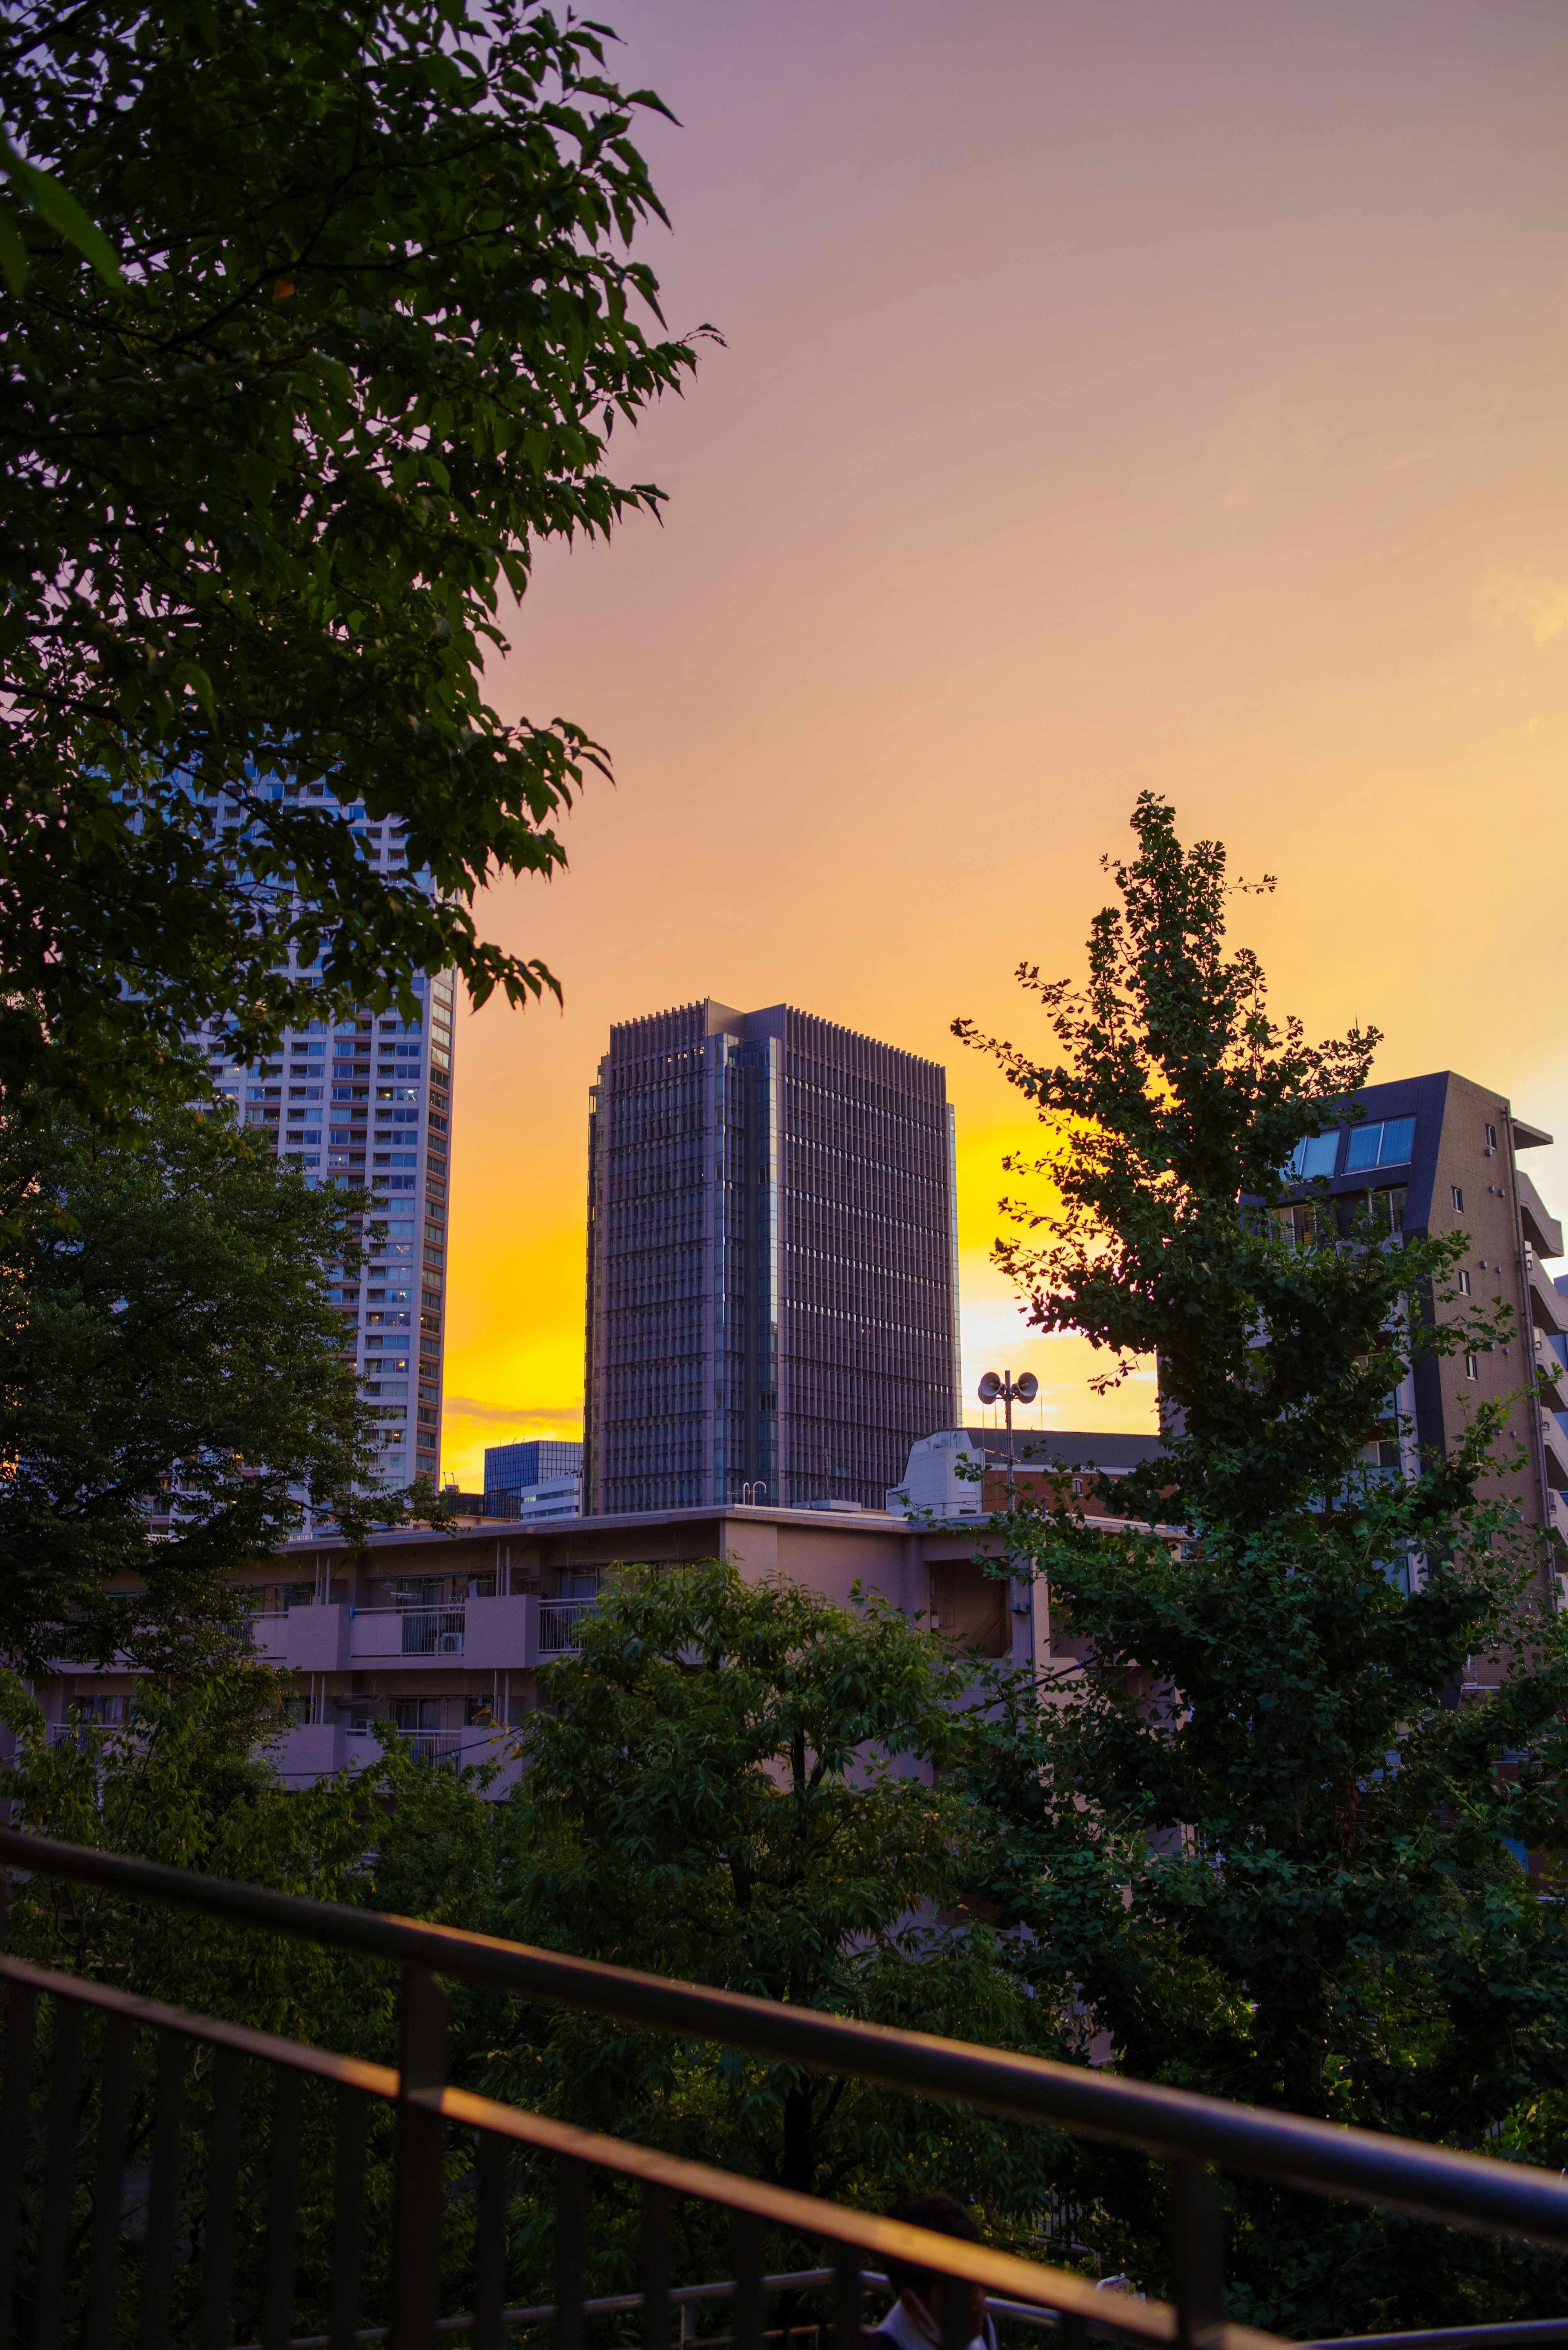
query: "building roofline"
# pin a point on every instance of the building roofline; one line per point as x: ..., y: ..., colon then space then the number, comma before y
x: 514, y: 1529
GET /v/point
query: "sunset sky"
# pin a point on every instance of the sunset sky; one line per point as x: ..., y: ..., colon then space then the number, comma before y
x: 1114, y: 395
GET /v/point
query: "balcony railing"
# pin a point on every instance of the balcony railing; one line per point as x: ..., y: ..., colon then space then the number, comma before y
x: 412, y: 1630
x: 434, y: 1745
x: 558, y: 1622
x: 165, y: 2258
x: 432, y: 1632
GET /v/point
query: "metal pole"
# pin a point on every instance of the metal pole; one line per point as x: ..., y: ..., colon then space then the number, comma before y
x: 1198, y: 2247
x: 1007, y: 1391
x: 417, y: 2243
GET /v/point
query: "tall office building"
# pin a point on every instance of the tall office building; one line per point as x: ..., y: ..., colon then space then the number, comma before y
x: 773, y: 1261
x: 370, y: 1103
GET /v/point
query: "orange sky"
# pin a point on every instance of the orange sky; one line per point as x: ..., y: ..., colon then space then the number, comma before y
x: 1114, y: 395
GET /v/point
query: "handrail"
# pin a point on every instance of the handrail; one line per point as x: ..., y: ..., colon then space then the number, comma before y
x: 1426, y: 2183
x: 1153, y: 2322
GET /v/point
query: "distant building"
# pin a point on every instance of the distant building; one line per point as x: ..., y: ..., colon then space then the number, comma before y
x: 508, y: 1468
x: 559, y: 1497
x: 771, y: 1280
x: 957, y: 1472
x: 368, y: 1103
x: 1441, y: 1154
x: 439, y: 1637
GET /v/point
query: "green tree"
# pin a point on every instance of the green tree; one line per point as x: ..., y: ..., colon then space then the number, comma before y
x: 267, y: 471
x: 1252, y: 1828
x: 172, y: 1393
x: 188, y: 1780
x: 720, y: 1787
x: 709, y: 1790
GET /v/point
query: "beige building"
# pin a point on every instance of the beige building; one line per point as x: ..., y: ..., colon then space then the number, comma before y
x: 443, y: 1636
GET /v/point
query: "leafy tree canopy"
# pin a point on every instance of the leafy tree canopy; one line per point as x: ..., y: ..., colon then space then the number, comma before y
x: 267, y: 470
x: 719, y: 1786
x: 174, y: 1395
x: 1252, y: 1824
x: 709, y: 1787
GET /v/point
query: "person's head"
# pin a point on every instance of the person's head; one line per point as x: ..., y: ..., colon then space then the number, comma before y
x: 944, y: 2216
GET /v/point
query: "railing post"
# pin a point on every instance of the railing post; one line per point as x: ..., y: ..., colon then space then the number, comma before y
x: 416, y: 2296
x: 109, y: 2184
x: 749, y: 2299
x: 490, y: 2265
x: 22, y: 2009
x: 347, y: 2217
x: 1197, y: 2250
x: 957, y: 2330
x: 658, y: 2206
x: 60, y: 2179
x: 223, y: 2186
x: 845, y: 2297
x: 571, y: 2254
x: 163, y: 2193
x: 283, y: 2211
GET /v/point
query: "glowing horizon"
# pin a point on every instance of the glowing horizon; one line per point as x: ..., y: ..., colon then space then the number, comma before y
x: 1115, y: 395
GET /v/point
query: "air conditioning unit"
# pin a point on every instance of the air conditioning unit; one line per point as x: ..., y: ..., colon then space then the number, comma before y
x: 449, y: 1645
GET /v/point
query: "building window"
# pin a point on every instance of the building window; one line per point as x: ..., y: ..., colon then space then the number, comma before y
x: 1314, y: 1157
x: 1389, y: 1206
x: 1492, y: 1137
x: 1457, y: 1197
x: 1472, y: 1369
x: 1385, y: 1142
x: 1464, y: 1281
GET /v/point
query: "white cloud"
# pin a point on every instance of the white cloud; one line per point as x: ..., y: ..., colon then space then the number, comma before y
x: 1528, y: 595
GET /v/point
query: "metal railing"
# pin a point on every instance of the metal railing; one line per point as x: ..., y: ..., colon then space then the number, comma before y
x: 429, y: 1628
x: 558, y: 1622
x: 433, y: 1632
x: 39, y: 2187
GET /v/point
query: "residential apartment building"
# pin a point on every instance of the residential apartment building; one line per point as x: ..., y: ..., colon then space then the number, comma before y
x: 368, y: 1103
x: 1441, y: 1154
x: 439, y: 1638
x: 772, y: 1264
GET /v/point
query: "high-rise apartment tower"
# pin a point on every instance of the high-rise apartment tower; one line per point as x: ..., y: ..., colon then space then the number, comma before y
x: 368, y: 1103
x: 773, y: 1264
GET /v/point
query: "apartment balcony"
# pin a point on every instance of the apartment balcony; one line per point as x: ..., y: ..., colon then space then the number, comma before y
x: 1542, y: 1229
x: 384, y: 1632
x: 310, y: 1639
x: 1548, y: 1307
x: 1557, y: 1524
x: 507, y: 1635
x: 1556, y: 1448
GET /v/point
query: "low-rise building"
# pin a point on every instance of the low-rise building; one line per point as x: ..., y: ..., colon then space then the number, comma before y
x: 439, y: 1637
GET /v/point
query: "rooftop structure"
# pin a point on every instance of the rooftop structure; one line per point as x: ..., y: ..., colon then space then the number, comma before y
x: 953, y: 1472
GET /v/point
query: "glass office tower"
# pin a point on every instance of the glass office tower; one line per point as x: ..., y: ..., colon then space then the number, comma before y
x: 772, y: 1264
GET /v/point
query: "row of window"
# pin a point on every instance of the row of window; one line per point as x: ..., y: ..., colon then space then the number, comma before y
x: 1380, y: 1142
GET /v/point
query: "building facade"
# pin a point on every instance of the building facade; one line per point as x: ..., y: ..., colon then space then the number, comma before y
x: 1441, y: 1154
x: 772, y: 1264
x: 368, y: 1103
x: 509, y: 1468
x: 438, y: 1636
